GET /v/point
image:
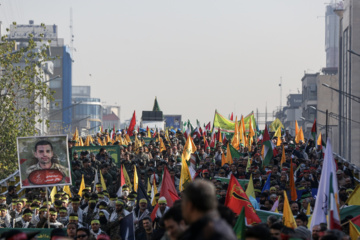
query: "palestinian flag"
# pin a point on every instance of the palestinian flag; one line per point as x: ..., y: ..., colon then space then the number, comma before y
x: 268, y: 148
x: 313, y: 130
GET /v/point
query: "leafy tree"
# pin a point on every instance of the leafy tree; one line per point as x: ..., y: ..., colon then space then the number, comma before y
x: 22, y: 89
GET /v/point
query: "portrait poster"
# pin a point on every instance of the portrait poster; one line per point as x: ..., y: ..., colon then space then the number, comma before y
x: 43, y: 161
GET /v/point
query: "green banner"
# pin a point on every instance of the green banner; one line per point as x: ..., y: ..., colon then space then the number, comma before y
x: 146, y: 140
x: 44, y: 233
x: 241, y: 181
x: 113, y: 150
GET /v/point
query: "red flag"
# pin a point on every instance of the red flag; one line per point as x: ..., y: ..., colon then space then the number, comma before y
x: 113, y: 133
x: 208, y: 127
x: 236, y: 199
x: 167, y: 185
x: 132, y: 125
x: 154, y: 135
x: 232, y: 117
x: 122, y: 178
x: 153, y: 213
x: 212, y: 143
x: 174, y: 196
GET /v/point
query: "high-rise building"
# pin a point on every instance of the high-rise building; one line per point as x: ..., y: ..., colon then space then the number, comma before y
x: 61, y: 79
x: 349, y: 84
x: 332, y: 37
x: 86, y: 111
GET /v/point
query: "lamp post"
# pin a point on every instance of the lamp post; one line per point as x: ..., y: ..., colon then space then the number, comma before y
x: 352, y: 97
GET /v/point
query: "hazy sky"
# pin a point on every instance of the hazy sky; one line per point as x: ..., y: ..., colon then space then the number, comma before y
x: 194, y: 55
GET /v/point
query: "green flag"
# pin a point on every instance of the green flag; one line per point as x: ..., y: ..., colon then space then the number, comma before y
x: 234, y: 152
x: 240, y: 227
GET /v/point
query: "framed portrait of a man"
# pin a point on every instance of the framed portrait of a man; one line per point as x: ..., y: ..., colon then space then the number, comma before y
x: 44, y: 161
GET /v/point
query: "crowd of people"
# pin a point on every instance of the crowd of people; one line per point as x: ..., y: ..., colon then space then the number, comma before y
x: 200, y: 213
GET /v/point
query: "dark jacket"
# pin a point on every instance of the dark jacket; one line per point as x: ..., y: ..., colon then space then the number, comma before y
x: 210, y: 227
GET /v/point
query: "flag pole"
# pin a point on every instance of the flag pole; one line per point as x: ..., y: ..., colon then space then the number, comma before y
x: 48, y: 212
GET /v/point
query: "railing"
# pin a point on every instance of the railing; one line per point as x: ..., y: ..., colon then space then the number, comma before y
x: 353, y: 167
x: 11, y: 180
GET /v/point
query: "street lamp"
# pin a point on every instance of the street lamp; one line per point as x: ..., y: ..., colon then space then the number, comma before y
x: 352, y: 97
x: 352, y: 52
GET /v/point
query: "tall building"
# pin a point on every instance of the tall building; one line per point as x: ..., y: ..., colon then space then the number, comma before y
x: 86, y: 111
x: 61, y: 79
x: 349, y: 84
x: 332, y: 37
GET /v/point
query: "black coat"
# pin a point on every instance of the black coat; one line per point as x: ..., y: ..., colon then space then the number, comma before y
x: 210, y: 227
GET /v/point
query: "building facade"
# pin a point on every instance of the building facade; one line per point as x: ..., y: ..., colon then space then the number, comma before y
x: 86, y: 111
x: 349, y: 75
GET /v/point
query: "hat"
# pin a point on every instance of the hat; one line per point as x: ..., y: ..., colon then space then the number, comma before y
x: 205, y: 171
x: 143, y: 200
x: 162, y: 200
x: 273, y: 188
x: 339, y: 172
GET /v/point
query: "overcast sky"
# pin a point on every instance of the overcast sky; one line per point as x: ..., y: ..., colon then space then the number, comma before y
x: 194, y: 55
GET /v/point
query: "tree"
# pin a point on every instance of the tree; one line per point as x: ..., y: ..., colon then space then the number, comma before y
x: 23, y: 93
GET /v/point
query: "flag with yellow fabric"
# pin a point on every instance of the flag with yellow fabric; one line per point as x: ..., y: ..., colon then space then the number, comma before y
x: 235, y: 142
x: 154, y: 191
x: 189, y: 148
x: 283, y: 157
x: 296, y: 128
x: 76, y: 135
x: 127, y: 178
x: 244, y: 132
x: 300, y: 136
x: 229, y: 159
x: 278, y: 135
x: 81, y: 143
x: 82, y: 186
x: 354, y: 230
x: 103, y: 185
x: 148, y: 133
x: 319, y: 140
x: 52, y: 194
x: 354, y: 198
x: 275, y: 125
x: 67, y: 190
x: 241, y: 132
x: 250, y: 191
x: 136, y: 180
x: 223, y: 159
x: 185, y: 176
x: 288, y: 217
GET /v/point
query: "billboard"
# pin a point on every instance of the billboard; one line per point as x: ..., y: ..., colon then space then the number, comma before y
x: 112, y: 150
x: 43, y: 161
x: 173, y: 121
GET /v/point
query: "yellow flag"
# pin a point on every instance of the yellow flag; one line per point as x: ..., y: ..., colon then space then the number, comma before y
x: 241, y: 132
x: 148, y: 133
x: 296, y: 128
x: 248, y: 165
x: 354, y: 198
x: 300, y: 136
x: 244, y: 132
x: 81, y: 143
x: 229, y: 159
x: 308, y: 210
x: 127, y: 138
x: 82, y: 186
x: 288, y: 217
x: 250, y: 188
x: 162, y: 145
x: 148, y: 186
x: 354, y: 232
x: 251, y: 130
x: 52, y: 194
x: 76, y: 135
x: 155, y: 191
x: 220, y: 135
x: 167, y: 135
x: 185, y: 176
x: 189, y: 148
x: 283, y: 157
x: 103, y: 185
x: 127, y: 178
x: 278, y: 135
x: 235, y: 142
x: 319, y: 140
x: 223, y: 159
x: 136, y: 180
x: 87, y: 141
x: 67, y: 190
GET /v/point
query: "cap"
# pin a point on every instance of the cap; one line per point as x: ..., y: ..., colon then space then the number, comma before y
x: 162, y: 200
x: 205, y: 171
x: 143, y: 200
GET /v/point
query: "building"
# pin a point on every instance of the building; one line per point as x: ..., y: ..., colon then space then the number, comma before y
x: 153, y: 119
x: 317, y: 99
x: 292, y: 112
x: 332, y: 37
x: 349, y: 84
x: 61, y: 80
x: 86, y: 111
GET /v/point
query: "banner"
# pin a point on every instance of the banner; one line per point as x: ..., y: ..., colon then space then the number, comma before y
x: 43, y: 161
x: 241, y: 181
x: 146, y: 140
x: 228, y: 126
x: 112, y: 150
x: 44, y: 233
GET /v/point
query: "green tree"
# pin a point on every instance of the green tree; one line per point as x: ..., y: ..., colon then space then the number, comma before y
x: 22, y: 89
